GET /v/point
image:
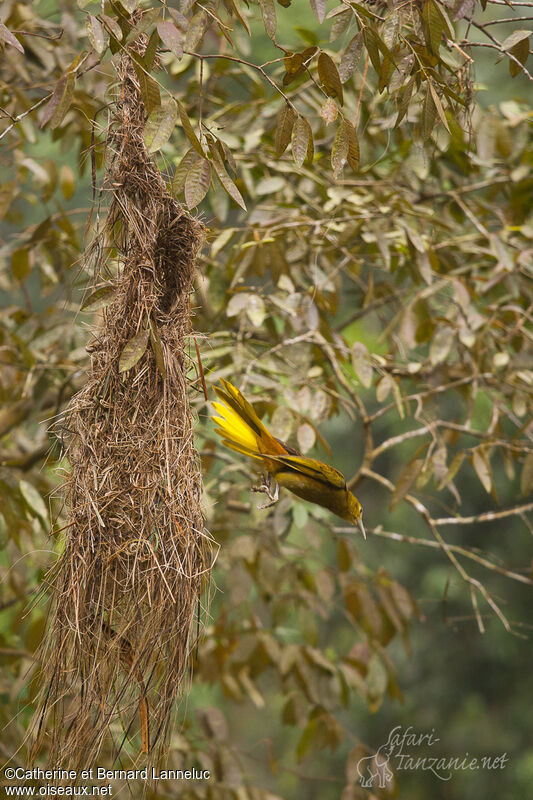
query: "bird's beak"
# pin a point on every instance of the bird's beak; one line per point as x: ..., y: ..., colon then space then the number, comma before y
x: 361, y: 527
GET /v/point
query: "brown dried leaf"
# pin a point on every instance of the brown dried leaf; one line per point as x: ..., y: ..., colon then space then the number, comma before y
x: 95, y: 33
x: 302, y: 139
x: 160, y: 125
x: 227, y: 183
x: 286, y: 120
x: 171, y: 37
x: 329, y: 77
x: 99, y: 298
x: 481, y: 464
x: 189, y: 130
x: 329, y: 111
x: 133, y: 351
x: 319, y: 9
x: 197, y: 182
x: 351, y: 56
x: 10, y: 38
x: 148, y: 86
x: 268, y: 12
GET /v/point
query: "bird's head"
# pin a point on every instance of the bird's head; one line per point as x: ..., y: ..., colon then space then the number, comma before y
x: 355, y: 513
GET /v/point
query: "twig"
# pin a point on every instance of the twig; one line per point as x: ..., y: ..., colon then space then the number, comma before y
x: 486, y: 516
x: 445, y: 547
x: 498, y: 47
x: 463, y: 551
x: 25, y: 114
x: 246, y: 64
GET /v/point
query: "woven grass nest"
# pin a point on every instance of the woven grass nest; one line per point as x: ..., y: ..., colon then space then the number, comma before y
x: 127, y: 587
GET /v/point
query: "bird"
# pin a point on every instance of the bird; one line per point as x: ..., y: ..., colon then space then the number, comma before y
x: 242, y: 430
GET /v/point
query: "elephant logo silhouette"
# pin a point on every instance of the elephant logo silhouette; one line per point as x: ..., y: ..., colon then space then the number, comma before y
x: 374, y: 770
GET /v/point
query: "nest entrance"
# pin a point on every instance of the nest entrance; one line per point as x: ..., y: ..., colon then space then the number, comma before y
x: 127, y: 587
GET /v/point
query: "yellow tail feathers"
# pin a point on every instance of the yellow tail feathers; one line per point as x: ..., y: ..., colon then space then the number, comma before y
x: 239, y: 425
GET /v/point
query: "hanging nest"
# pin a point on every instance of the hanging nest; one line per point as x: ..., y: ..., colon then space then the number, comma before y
x: 127, y: 587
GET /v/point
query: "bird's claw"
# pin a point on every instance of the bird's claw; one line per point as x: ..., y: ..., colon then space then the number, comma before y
x: 265, y: 488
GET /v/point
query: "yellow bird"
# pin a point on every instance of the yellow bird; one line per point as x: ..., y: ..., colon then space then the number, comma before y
x: 312, y: 480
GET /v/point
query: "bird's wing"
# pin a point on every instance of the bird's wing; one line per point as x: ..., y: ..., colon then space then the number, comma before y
x: 313, y: 468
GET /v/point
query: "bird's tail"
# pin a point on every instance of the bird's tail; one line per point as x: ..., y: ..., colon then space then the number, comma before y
x: 239, y: 425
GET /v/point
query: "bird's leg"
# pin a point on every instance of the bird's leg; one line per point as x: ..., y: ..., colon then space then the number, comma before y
x: 265, y: 488
x: 273, y: 497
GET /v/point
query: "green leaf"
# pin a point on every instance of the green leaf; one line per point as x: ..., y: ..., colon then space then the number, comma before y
x: 67, y: 181
x: 371, y: 40
x: 453, y: 469
x: 129, y: 5
x: 362, y: 364
x: 60, y: 101
x: 517, y: 44
x: 10, y: 38
x: 306, y: 437
x: 113, y: 26
x: 157, y: 348
x: 405, y: 481
x: 339, y: 151
x: 403, y: 101
x: 340, y: 23
x: 189, y: 130
x: 95, y: 33
x: 526, y: 479
x: 433, y: 24
x: 195, y: 31
x: 160, y: 125
x: 329, y: 77
x: 34, y: 501
x: 351, y: 57
x: 151, y: 50
x: 400, y: 73
x: 268, y: 11
x: 438, y: 106
x: 383, y: 388
x: 392, y: 29
x: 345, y: 148
x: 149, y: 89
x: 296, y: 64
x: 376, y: 682
x: 285, y: 124
x: 255, y: 310
x: 353, y: 147
x: 197, y: 182
x: 133, y: 351
x: 20, y: 264
x: 178, y: 181
x: 302, y: 139
x: 242, y: 19
x: 429, y: 115
x: 310, y: 735
x: 481, y: 464
x: 227, y: 184
x: 441, y: 345
x: 7, y: 193
x: 99, y: 298
x: 143, y: 24
x: 171, y: 37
